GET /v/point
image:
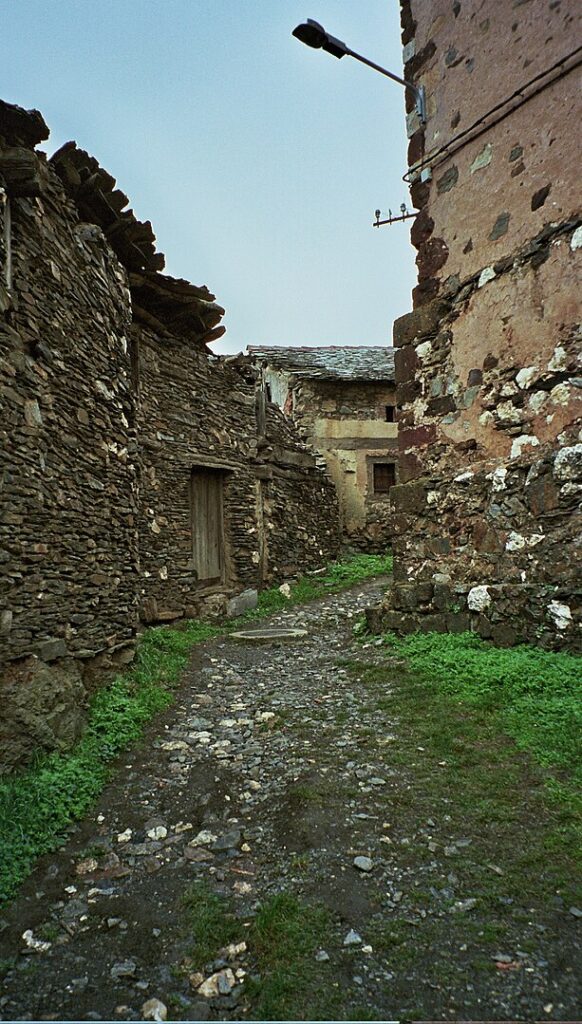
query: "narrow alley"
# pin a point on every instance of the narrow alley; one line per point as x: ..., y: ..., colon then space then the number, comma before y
x: 298, y: 774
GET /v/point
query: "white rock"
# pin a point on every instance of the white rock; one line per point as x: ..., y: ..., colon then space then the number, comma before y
x: 219, y: 984
x: 559, y: 359
x: 561, y: 614
x: 203, y: 838
x: 124, y: 837
x: 235, y: 949
x: 507, y: 412
x: 37, y: 945
x: 576, y: 242
x: 485, y: 276
x: 285, y: 590
x: 154, y: 1009
x: 464, y: 478
x: 363, y: 864
x: 560, y: 395
x: 498, y: 479
x: 158, y: 832
x: 321, y: 956
x: 424, y: 349
x: 352, y: 938
x: 568, y: 463
x: 515, y: 542
x: 537, y: 400
x: 483, y: 159
x: 478, y: 599
x: 242, y: 888
x: 526, y: 376
x: 521, y: 442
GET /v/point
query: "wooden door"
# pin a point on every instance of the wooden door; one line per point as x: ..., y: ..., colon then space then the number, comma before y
x: 207, y: 524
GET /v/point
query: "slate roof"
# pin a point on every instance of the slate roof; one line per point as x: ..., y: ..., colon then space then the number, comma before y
x: 329, y: 362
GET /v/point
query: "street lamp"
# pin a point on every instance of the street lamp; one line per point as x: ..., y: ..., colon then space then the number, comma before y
x: 313, y: 34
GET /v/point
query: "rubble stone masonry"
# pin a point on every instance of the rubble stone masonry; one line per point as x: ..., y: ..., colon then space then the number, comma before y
x: 486, y: 514
x: 110, y: 405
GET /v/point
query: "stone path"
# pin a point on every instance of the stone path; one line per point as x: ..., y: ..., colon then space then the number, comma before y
x: 271, y: 771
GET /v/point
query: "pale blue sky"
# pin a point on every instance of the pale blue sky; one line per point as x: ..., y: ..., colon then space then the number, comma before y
x: 259, y: 162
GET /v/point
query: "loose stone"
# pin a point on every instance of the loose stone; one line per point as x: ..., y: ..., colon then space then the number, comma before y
x: 364, y: 864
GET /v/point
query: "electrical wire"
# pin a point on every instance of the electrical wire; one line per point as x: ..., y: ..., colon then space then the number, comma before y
x: 445, y: 151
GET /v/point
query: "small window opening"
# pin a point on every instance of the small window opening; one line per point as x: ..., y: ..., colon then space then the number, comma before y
x: 389, y: 414
x: 384, y: 477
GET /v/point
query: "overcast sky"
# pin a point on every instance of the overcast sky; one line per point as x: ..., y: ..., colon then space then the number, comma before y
x: 259, y: 162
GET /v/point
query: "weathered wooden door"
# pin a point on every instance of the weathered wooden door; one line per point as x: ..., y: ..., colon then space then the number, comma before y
x: 207, y: 524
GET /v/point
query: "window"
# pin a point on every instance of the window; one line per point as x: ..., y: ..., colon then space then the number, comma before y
x: 384, y: 477
x: 206, y: 505
x: 389, y: 414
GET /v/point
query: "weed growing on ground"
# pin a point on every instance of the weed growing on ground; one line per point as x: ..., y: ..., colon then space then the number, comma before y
x: 37, y: 805
x: 537, y: 694
x: 281, y: 941
x: 284, y: 936
x: 211, y: 924
x: 339, y: 576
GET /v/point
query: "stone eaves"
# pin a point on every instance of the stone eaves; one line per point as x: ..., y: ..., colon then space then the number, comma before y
x: 165, y: 304
x: 328, y: 362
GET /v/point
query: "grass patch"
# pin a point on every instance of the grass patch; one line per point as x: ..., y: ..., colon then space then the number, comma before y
x: 338, y: 576
x: 487, y: 739
x: 212, y: 924
x: 536, y: 694
x: 284, y: 937
x: 285, y: 981
x: 38, y: 804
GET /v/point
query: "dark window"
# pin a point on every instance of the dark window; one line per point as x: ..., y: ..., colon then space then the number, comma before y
x: 384, y: 477
x: 207, y: 523
x: 389, y: 414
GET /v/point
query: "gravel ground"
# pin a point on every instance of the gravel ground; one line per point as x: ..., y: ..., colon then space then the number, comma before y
x: 272, y: 771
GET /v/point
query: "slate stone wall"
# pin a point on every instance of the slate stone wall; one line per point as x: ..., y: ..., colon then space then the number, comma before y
x: 487, y: 513
x: 192, y: 411
x: 68, y: 534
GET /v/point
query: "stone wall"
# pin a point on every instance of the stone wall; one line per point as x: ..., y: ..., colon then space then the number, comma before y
x: 488, y: 364
x: 68, y: 479
x: 110, y: 403
x: 297, y: 500
x: 280, y: 512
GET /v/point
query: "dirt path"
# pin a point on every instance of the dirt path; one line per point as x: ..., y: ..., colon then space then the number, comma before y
x: 275, y: 769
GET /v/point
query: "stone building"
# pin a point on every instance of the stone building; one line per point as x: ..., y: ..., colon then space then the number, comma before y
x: 140, y: 477
x: 487, y: 525
x: 342, y: 399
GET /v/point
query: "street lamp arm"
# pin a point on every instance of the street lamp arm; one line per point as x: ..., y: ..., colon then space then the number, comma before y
x: 313, y: 34
x: 418, y: 92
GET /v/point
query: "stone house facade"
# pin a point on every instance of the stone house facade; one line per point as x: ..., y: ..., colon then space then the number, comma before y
x: 487, y: 511
x: 342, y: 399
x: 140, y: 479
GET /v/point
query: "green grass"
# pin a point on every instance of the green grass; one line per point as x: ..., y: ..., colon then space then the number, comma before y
x: 339, y: 576
x: 284, y: 938
x: 211, y: 924
x: 38, y: 804
x: 284, y: 982
x: 537, y: 695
